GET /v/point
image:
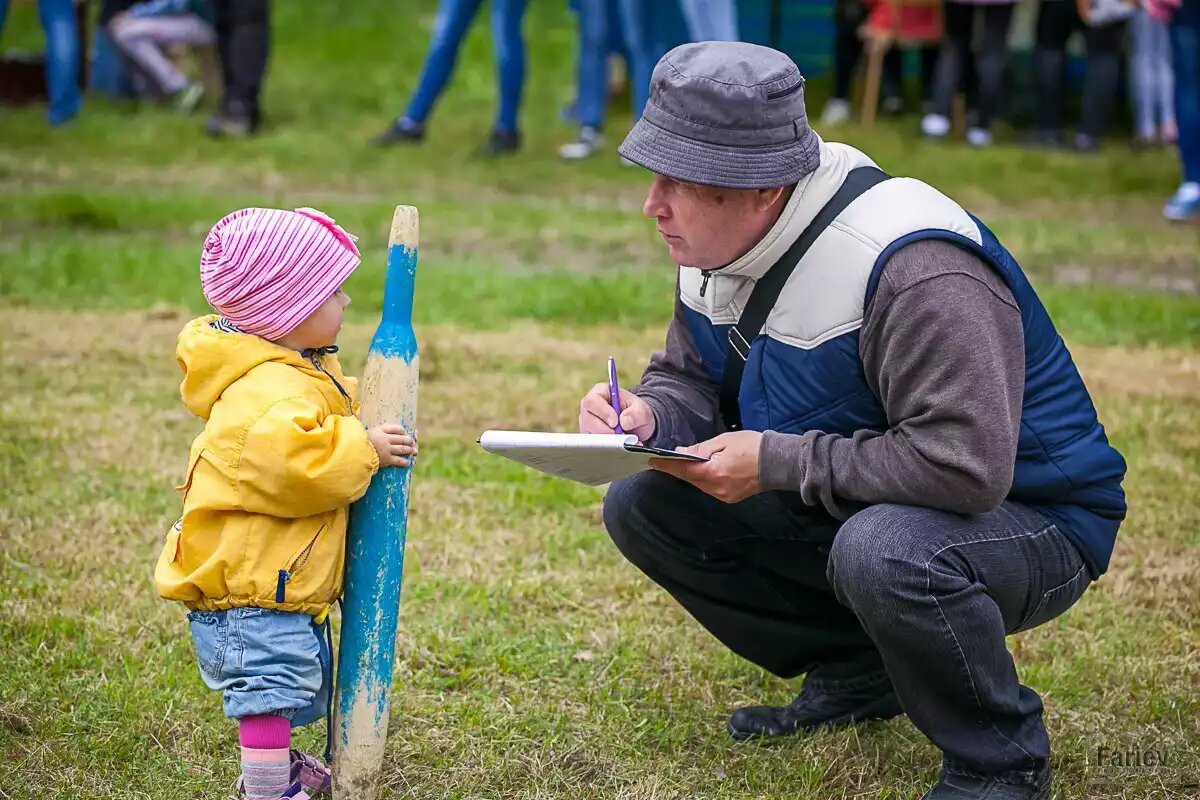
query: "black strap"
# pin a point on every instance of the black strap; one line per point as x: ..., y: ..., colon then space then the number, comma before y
x: 767, y: 289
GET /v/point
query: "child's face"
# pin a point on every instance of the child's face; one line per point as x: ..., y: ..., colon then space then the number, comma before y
x: 322, y: 326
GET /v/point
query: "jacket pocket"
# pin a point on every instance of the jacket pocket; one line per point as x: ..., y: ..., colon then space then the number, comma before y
x: 296, y: 563
x: 191, y: 470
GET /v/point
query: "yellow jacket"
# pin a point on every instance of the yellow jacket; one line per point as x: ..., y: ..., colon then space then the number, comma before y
x: 269, y: 480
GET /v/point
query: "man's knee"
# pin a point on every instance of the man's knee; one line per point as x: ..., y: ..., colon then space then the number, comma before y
x: 874, y: 552
x: 635, y: 505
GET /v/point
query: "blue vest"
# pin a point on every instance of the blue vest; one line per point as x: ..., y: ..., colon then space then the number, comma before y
x: 1065, y: 467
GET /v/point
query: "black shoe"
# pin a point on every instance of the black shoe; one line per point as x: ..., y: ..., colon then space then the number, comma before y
x: 232, y: 122
x: 1011, y: 786
x: 403, y: 131
x: 502, y: 143
x: 820, y: 706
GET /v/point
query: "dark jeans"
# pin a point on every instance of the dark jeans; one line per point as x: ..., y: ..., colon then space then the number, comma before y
x: 959, y: 20
x: 243, y: 43
x: 931, y: 593
x: 848, y: 16
x: 1185, y: 44
x: 1057, y: 20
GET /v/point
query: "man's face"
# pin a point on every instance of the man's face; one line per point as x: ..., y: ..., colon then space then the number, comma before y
x: 706, y: 226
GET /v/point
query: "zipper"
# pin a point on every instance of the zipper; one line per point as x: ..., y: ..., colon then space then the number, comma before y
x: 297, y: 563
x: 315, y: 358
x: 704, y: 283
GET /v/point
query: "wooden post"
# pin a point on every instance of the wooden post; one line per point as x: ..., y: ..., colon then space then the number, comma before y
x: 378, y: 523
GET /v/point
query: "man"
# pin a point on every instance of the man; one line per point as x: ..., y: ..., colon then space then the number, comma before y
x: 906, y: 466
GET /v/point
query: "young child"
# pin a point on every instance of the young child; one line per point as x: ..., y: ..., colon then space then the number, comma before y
x: 258, y: 555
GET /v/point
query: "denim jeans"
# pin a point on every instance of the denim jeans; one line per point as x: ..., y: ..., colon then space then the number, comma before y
x: 711, y: 20
x: 638, y: 29
x: 1185, y: 51
x: 265, y: 662
x: 1151, y: 78
x: 62, y: 57
x: 449, y: 29
x: 928, y: 593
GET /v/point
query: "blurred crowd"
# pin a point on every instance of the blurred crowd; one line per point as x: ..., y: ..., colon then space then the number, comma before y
x: 963, y: 49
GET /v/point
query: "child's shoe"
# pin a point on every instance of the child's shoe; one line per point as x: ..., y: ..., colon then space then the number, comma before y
x: 310, y: 773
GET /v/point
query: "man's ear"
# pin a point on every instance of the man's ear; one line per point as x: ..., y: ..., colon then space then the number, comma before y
x: 769, y: 197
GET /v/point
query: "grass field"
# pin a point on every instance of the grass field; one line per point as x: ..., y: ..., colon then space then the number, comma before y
x: 534, y: 662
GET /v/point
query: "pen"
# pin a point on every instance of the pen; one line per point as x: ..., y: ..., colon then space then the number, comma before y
x: 614, y: 393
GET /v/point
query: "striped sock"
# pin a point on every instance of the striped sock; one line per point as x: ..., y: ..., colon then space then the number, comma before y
x: 266, y: 763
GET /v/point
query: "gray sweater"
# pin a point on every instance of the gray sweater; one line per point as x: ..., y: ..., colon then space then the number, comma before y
x: 942, y: 348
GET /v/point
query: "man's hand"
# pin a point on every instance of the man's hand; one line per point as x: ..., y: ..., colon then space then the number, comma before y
x: 596, y: 413
x: 393, y: 444
x: 730, y: 474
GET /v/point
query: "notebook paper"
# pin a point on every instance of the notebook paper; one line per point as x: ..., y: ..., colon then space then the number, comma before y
x: 594, y: 459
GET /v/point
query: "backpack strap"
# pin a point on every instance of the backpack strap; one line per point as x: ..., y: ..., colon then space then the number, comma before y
x: 768, y: 288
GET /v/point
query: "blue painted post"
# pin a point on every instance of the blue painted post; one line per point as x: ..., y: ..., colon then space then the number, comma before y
x: 378, y: 522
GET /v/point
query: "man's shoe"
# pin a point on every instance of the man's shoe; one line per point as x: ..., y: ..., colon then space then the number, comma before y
x: 1011, y: 786
x: 818, y: 707
x: 232, y: 122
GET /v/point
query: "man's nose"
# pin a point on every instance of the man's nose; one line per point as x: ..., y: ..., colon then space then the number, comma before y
x: 654, y: 206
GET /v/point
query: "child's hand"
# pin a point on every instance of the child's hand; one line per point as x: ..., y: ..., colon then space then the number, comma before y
x: 393, y: 444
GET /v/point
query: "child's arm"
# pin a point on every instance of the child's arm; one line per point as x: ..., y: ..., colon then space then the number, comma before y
x: 294, y: 466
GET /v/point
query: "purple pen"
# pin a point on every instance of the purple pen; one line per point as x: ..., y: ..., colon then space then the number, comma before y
x: 614, y: 393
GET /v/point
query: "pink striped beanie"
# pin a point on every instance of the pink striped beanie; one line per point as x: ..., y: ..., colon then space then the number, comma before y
x: 266, y: 270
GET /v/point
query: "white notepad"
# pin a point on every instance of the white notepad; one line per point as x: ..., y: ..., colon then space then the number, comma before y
x: 590, y: 458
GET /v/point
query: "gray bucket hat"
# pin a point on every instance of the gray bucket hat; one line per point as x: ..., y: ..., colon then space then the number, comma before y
x: 725, y: 114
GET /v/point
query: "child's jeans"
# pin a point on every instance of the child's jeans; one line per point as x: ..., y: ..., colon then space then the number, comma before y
x: 1150, y: 74
x: 265, y: 661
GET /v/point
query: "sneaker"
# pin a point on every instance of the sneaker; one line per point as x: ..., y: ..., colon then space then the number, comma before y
x: 311, y: 774
x: 502, y: 143
x: 187, y: 98
x: 819, y: 705
x: 588, y: 142
x: 979, y: 137
x: 1184, y: 204
x: 402, y: 131
x: 836, y: 112
x: 1011, y: 786
x: 935, y: 126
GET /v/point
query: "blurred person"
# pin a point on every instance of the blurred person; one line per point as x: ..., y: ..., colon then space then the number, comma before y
x: 959, y: 18
x: 595, y: 19
x: 243, y: 43
x: 1103, y: 23
x: 1184, y: 28
x: 1152, y: 81
x: 61, y: 29
x: 143, y: 31
x: 450, y: 27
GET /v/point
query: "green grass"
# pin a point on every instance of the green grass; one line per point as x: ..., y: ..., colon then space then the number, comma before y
x: 533, y: 661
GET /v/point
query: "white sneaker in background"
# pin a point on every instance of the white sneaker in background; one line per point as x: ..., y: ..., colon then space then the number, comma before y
x: 837, y: 112
x: 979, y: 137
x: 585, y: 146
x: 936, y: 126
